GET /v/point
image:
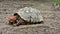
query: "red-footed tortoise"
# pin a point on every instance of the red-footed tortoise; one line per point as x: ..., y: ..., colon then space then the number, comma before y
x: 27, y: 15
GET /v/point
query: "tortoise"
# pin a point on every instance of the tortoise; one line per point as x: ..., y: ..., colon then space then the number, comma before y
x: 25, y: 16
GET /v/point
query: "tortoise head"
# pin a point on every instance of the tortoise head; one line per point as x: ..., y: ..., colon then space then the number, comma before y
x: 12, y: 19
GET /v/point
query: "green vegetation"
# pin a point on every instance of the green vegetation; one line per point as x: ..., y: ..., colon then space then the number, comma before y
x: 57, y: 2
x: 41, y: 5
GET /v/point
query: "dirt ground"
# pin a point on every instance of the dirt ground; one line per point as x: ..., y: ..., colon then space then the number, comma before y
x: 51, y: 23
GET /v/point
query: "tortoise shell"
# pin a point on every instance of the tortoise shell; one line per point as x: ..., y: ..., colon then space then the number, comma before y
x: 30, y: 14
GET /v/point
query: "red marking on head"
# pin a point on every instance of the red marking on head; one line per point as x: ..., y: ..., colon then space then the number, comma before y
x: 12, y: 19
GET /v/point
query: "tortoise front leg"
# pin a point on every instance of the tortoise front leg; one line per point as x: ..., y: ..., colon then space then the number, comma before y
x: 19, y: 22
x: 16, y: 24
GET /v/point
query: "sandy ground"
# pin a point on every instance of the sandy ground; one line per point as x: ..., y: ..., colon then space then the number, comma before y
x: 51, y: 23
